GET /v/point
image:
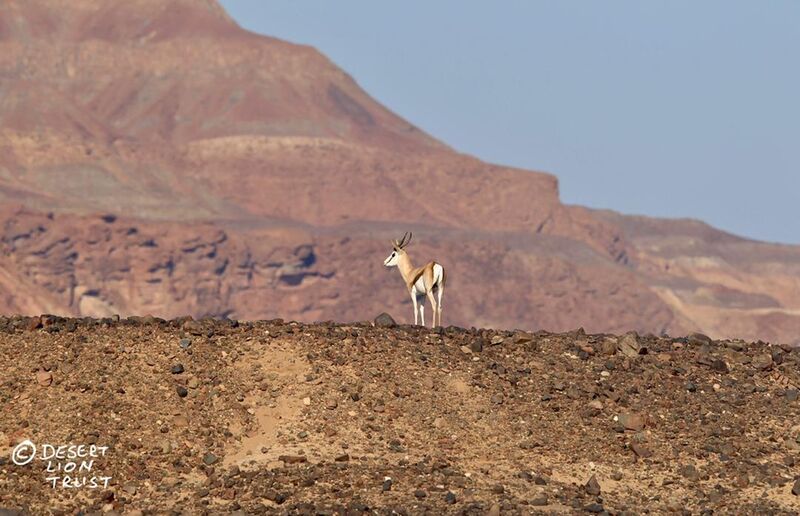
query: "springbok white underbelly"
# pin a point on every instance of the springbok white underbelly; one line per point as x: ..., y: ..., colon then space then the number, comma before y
x: 419, y: 285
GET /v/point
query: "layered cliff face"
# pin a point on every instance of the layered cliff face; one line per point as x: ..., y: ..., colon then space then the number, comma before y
x: 156, y: 158
x: 105, y: 264
x: 712, y: 280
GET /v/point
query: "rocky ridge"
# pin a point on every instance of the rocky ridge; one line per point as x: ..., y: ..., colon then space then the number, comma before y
x: 218, y: 417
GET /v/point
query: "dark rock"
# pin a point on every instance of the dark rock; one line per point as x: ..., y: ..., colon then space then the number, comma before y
x: 525, y: 475
x: 796, y: 487
x: 762, y: 361
x: 209, y: 459
x: 34, y: 323
x: 641, y: 450
x: 420, y: 494
x: 691, y: 387
x: 384, y: 320
x: 293, y: 459
x: 522, y: 337
x: 698, y: 339
x: 573, y: 393
x: 476, y: 346
x: 185, y: 343
x: 792, y: 394
x: 177, y: 369
x: 594, y: 508
x: 609, y: 347
x: 703, y: 358
x: 720, y: 366
x: 539, y: 500
x: 592, y: 487
x: 591, y: 411
x: 631, y: 346
x: 387, y: 485
x: 342, y: 458
x: 735, y: 345
x: 193, y: 327
x: 450, y: 498
x: 182, y: 391
x: 690, y: 472
x: 742, y: 481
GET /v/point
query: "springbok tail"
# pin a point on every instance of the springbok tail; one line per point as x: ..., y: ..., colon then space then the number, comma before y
x: 438, y: 275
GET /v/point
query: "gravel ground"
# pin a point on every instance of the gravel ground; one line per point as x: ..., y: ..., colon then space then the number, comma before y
x: 221, y: 417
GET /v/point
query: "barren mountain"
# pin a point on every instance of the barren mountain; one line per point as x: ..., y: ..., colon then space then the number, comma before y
x: 157, y: 158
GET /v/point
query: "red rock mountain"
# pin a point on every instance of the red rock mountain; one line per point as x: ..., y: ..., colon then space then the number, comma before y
x: 157, y: 158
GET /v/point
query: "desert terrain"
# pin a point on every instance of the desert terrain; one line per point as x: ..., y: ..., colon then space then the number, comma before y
x: 192, y: 206
x: 273, y: 417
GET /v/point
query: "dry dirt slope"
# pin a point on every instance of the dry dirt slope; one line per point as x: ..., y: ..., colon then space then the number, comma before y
x: 221, y: 417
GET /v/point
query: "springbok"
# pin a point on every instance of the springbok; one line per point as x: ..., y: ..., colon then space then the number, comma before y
x: 423, y: 281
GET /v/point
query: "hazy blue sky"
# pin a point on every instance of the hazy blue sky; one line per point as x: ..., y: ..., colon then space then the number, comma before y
x: 667, y: 108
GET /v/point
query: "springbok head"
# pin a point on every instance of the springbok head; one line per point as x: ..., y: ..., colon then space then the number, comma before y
x: 398, y: 250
